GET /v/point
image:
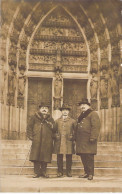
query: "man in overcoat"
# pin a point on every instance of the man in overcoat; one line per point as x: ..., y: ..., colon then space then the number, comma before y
x: 40, y: 130
x: 64, y: 140
x: 87, y: 132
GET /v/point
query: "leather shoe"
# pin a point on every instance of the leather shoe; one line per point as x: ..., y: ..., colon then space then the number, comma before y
x: 83, y: 176
x: 36, y: 176
x: 59, y: 174
x: 69, y: 174
x: 90, y: 177
x: 45, y: 175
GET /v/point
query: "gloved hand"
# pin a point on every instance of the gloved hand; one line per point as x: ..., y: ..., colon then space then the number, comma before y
x: 92, y: 140
x: 49, y: 123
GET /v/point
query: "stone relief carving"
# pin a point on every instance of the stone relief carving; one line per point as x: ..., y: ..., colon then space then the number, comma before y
x: 73, y: 32
x: 89, y: 31
x: 99, y: 27
x: 21, y: 82
x: 115, y: 86
x: 45, y: 59
x: 102, y: 40
x: 58, y: 85
x: 74, y: 60
x: 94, y: 55
x: 19, y: 22
x: 11, y: 84
x: 104, y: 52
x: 3, y: 82
x: 94, y: 86
x: 58, y: 16
x: 104, y: 92
x: 94, y: 67
x: 58, y: 45
x: 22, y: 58
x: 57, y: 90
x: 93, y: 45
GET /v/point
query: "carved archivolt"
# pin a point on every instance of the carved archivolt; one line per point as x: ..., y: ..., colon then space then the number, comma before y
x: 53, y: 37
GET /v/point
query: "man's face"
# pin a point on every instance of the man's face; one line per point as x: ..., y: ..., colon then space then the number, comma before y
x: 44, y: 110
x: 84, y: 107
x: 65, y: 112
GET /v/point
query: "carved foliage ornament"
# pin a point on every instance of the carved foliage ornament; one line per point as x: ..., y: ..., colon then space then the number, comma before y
x: 94, y: 67
x: 104, y: 64
x: 19, y: 22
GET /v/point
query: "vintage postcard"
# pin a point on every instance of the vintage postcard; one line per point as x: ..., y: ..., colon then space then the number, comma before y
x: 61, y: 96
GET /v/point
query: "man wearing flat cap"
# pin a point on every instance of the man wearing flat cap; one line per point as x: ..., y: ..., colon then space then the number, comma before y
x: 40, y: 130
x: 64, y: 140
x: 87, y: 132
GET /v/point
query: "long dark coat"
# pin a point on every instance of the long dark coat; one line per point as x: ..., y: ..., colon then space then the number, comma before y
x: 41, y: 134
x: 89, y: 127
x: 64, y: 136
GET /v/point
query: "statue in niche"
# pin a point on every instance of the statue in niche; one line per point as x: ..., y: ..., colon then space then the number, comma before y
x: 11, y: 80
x: 58, y: 85
x: 11, y: 84
x: 57, y: 90
x: 94, y: 87
x: 104, y: 88
x: 21, y: 82
x: 115, y: 84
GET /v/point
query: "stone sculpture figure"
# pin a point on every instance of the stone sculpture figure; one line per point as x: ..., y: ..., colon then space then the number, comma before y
x: 57, y: 90
x: 58, y: 85
x: 21, y: 83
x: 104, y: 88
x: 11, y: 80
x: 94, y: 87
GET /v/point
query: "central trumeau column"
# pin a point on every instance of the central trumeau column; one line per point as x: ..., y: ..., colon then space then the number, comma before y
x: 58, y: 80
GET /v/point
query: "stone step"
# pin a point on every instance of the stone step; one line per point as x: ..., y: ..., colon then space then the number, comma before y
x: 53, y: 171
x: 102, y: 157
x: 26, y: 183
x: 30, y: 189
x: 28, y: 142
x: 100, y: 150
x: 19, y: 163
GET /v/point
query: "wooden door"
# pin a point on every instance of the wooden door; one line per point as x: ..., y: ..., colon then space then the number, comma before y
x: 73, y: 92
x: 39, y: 90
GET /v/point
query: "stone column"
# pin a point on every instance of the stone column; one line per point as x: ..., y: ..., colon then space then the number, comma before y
x: 120, y: 135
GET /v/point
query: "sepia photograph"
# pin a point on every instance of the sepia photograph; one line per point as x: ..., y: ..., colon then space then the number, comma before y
x: 61, y: 96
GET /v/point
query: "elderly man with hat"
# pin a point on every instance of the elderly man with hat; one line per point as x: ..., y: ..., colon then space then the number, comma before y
x: 87, y: 132
x: 40, y: 130
x: 64, y: 140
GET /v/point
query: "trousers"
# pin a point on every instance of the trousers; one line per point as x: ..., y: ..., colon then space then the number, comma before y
x: 60, y: 162
x: 37, y: 169
x: 88, y: 163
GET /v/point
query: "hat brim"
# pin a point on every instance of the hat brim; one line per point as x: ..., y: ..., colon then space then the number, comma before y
x: 84, y: 103
x: 44, y: 106
x: 64, y: 109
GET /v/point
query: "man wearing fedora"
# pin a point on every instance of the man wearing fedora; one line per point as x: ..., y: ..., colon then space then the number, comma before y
x: 87, y: 132
x: 64, y: 140
x: 40, y: 130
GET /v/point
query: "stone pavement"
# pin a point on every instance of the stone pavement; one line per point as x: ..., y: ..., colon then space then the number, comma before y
x: 24, y: 183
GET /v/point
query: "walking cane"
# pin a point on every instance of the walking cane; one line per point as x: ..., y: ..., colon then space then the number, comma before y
x: 25, y: 161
